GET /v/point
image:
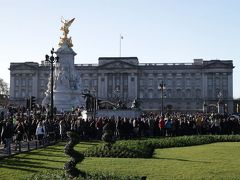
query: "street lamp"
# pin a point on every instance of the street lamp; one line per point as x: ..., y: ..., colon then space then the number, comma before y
x: 52, y: 60
x: 161, y: 87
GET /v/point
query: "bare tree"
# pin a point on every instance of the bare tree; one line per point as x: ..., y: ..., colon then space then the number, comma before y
x: 3, y: 87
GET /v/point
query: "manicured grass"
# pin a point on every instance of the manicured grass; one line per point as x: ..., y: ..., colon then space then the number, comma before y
x: 25, y: 165
x: 212, y: 161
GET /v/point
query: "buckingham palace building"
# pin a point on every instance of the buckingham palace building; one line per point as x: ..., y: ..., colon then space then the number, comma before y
x: 187, y: 87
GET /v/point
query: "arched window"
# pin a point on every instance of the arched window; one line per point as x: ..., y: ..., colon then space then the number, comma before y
x: 141, y: 94
x: 150, y: 93
x: 198, y: 93
x: 169, y: 93
x: 179, y: 93
x: 217, y: 81
x: 188, y: 93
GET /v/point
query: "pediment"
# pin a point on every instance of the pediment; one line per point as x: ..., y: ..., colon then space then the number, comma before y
x: 219, y: 64
x: 117, y: 65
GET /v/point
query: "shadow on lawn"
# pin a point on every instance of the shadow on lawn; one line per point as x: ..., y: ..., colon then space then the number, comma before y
x: 18, y: 168
x: 89, y: 142
x: 54, y: 150
x: 24, y: 164
x: 39, y: 159
x: 178, y: 159
x: 44, y: 153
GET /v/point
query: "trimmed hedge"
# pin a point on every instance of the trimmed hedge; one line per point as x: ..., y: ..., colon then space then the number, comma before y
x: 59, y: 175
x: 183, y: 141
x: 121, y: 150
x: 144, y: 148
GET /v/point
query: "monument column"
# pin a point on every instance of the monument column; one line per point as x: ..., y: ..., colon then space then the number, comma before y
x: 67, y: 92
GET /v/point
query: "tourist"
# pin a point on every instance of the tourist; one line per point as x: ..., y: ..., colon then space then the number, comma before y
x: 162, y: 126
x: 7, y: 135
x: 19, y: 132
x: 40, y: 132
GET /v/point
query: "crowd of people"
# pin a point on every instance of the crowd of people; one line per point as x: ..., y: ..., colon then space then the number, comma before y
x: 20, y: 125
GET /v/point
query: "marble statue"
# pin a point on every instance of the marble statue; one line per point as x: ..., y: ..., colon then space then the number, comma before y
x: 66, y: 82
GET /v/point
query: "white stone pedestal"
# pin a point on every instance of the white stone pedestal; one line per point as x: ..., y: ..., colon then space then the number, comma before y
x: 67, y: 91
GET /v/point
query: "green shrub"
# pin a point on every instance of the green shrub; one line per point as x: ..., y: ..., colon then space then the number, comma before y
x: 60, y: 175
x: 183, y: 141
x: 121, y: 150
x: 144, y: 148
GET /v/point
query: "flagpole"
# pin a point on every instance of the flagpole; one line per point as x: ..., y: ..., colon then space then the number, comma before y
x: 120, y: 45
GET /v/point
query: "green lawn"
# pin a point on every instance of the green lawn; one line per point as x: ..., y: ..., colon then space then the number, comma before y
x: 212, y: 161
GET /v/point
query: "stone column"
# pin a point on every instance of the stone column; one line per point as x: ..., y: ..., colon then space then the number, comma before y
x: 35, y: 85
x: 204, y: 87
x: 230, y: 93
x: 12, y: 86
x: 230, y: 86
x: 129, y: 87
x: 135, y: 86
x: 99, y: 85
x: 105, y: 86
x: 113, y: 82
x: 121, y: 85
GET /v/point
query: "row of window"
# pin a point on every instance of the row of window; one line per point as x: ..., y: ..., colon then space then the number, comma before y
x: 217, y: 81
x: 170, y: 82
x: 90, y: 82
x: 25, y: 94
x: 175, y: 106
x: 169, y: 93
x: 23, y: 82
x: 29, y: 82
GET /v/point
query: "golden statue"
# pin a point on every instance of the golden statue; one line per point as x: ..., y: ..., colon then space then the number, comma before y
x: 65, y: 29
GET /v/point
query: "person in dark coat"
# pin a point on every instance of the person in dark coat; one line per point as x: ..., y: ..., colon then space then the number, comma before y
x: 7, y: 135
x: 19, y: 132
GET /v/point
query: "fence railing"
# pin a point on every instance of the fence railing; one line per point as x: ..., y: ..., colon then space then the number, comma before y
x: 25, y: 146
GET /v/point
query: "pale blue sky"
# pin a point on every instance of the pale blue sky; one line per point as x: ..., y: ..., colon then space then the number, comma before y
x: 153, y: 30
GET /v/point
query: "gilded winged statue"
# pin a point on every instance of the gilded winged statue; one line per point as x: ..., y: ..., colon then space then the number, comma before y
x: 65, y: 28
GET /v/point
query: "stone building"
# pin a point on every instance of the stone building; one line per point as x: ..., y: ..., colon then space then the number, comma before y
x: 197, y: 86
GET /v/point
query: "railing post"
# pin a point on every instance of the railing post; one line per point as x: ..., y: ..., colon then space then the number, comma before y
x: 28, y: 145
x: 9, y: 149
x: 19, y: 146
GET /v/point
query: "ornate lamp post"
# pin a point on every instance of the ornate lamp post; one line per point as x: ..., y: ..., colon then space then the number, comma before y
x: 52, y: 60
x: 161, y: 87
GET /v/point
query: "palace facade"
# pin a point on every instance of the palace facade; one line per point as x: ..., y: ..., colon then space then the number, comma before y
x: 189, y: 87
